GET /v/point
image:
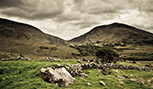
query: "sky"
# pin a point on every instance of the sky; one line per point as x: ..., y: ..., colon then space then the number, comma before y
x: 71, y: 18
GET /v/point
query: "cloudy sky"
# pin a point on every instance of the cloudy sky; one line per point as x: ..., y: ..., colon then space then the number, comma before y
x: 70, y: 18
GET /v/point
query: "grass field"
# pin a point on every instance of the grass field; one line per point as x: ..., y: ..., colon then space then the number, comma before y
x: 26, y: 75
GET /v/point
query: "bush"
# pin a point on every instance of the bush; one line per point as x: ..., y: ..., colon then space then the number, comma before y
x: 106, y: 55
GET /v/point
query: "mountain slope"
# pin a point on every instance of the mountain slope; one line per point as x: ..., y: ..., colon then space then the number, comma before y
x: 20, y: 38
x: 115, y: 32
x: 14, y: 30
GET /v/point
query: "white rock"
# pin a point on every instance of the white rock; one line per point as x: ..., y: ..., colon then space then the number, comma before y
x: 102, y: 83
x: 142, y: 82
x: 88, y: 84
x: 43, y: 70
x: 61, y: 75
x: 117, y: 71
x: 133, y: 80
x: 121, y: 77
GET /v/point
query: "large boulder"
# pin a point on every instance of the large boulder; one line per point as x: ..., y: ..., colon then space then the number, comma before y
x: 58, y: 76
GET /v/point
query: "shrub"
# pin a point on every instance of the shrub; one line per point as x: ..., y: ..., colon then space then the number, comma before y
x: 106, y: 55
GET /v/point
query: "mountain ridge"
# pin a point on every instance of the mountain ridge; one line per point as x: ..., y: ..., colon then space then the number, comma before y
x: 113, y: 32
x: 17, y: 30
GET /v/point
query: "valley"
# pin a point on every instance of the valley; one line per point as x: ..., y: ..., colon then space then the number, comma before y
x: 25, y: 49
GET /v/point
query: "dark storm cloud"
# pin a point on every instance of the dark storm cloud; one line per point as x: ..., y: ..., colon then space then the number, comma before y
x: 10, y: 3
x: 31, y: 9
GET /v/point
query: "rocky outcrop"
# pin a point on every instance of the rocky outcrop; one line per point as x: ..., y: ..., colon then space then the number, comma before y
x: 57, y: 76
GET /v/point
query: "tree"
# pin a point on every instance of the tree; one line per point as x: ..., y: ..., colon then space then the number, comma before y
x: 106, y: 55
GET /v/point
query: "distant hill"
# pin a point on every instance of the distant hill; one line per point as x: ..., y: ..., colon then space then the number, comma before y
x: 114, y: 33
x: 24, y: 39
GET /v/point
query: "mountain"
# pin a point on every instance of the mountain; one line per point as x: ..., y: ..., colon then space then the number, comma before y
x: 14, y: 30
x: 25, y: 39
x: 116, y: 32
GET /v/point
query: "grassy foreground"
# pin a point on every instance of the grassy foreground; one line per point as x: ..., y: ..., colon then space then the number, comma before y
x: 26, y: 75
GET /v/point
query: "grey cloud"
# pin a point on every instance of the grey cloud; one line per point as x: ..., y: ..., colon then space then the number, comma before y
x: 147, y: 6
x: 83, y: 24
x: 73, y: 17
x: 10, y: 3
x: 64, y: 18
x: 35, y: 9
x: 106, y: 6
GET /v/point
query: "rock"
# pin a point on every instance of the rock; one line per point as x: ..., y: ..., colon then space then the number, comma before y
x: 144, y: 68
x: 150, y: 80
x: 102, y: 83
x: 42, y: 70
x: 142, y: 82
x: 59, y: 60
x: 28, y: 59
x: 85, y: 60
x: 97, y: 62
x: 79, y: 62
x: 131, y: 75
x: 122, y: 83
x: 75, y: 69
x: 58, y: 75
x: 91, y: 60
x: 133, y: 80
x: 121, y: 77
x: 116, y: 71
x: 134, y: 62
x: 125, y: 76
x: 88, y: 84
x: 59, y: 65
x: 21, y: 55
x: 83, y: 75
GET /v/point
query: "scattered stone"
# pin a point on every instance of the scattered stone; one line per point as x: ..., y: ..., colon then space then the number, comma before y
x: 142, y: 82
x: 42, y: 70
x: 97, y: 62
x: 150, y: 80
x: 27, y: 58
x: 59, y: 65
x: 88, y: 84
x: 116, y: 71
x: 59, y: 60
x: 49, y: 58
x: 21, y: 55
x: 91, y: 60
x: 134, y: 62
x: 83, y: 75
x: 121, y: 77
x: 85, y: 60
x: 125, y: 76
x: 122, y: 83
x: 102, y: 83
x: 133, y: 80
x: 75, y: 69
x: 79, y: 62
x: 131, y: 75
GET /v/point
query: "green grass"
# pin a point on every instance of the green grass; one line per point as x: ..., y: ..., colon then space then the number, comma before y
x: 127, y: 46
x: 139, y: 56
x: 26, y: 75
